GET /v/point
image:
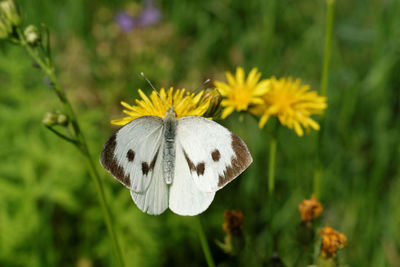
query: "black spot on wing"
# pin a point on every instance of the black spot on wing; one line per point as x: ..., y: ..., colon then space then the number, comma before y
x: 189, y: 162
x: 130, y: 155
x: 199, y: 168
x: 146, y: 168
x: 216, y: 155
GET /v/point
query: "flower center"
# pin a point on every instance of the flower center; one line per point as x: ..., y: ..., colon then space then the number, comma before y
x: 281, y: 100
x: 241, y: 97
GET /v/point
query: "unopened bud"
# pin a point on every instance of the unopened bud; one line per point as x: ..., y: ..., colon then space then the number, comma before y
x: 5, y: 28
x: 32, y: 35
x: 326, y: 262
x: 49, y: 119
x: 331, y: 242
x: 62, y: 119
x: 275, y: 261
x: 233, y: 227
x: 215, y: 98
x: 310, y: 209
x: 10, y: 12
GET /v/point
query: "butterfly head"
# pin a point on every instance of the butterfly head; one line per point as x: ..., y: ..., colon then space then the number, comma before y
x: 170, y: 113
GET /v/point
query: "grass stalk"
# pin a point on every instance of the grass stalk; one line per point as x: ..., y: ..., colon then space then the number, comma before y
x: 204, y: 243
x: 271, y: 185
x: 330, y: 17
x: 271, y: 166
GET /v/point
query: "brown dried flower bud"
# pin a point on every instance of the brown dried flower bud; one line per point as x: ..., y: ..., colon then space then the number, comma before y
x: 233, y: 227
x: 310, y: 209
x: 331, y: 241
x: 233, y: 222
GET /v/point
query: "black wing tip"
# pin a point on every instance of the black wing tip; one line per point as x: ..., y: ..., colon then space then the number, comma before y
x: 107, y: 154
x: 108, y: 161
x: 239, y: 163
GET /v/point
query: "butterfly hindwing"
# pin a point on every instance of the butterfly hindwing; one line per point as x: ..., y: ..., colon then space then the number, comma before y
x: 213, y: 154
x: 132, y: 153
x: 185, y: 198
x: 154, y: 200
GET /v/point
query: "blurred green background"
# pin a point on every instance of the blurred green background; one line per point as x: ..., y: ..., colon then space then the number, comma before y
x: 49, y: 213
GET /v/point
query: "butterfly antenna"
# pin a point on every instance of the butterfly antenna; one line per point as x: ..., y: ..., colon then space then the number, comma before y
x: 148, y: 81
x: 200, y: 87
x: 206, y: 81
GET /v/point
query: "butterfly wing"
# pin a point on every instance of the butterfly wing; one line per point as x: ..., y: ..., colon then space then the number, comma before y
x: 131, y: 153
x: 208, y: 156
x: 185, y: 198
x: 154, y: 200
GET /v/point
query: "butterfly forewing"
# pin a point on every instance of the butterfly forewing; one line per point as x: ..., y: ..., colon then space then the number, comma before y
x: 213, y: 154
x: 131, y: 153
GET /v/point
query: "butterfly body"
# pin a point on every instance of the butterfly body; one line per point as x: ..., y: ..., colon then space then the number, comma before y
x: 170, y: 123
x: 174, y: 163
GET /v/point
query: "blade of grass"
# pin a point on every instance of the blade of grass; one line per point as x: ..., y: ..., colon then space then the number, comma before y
x: 318, y: 173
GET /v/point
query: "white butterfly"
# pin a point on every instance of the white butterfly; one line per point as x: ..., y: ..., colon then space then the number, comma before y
x: 175, y: 163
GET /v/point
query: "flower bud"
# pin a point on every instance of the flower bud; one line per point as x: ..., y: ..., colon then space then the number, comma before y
x: 215, y: 98
x: 310, y: 209
x: 331, y: 242
x: 5, y: 28
x: 32, y: 35
x: 49, y: 119
x: 62, y: 119
x: 275, y: 261
x: 233, y: 227
x: 326, y: 262
x: 10, y: 12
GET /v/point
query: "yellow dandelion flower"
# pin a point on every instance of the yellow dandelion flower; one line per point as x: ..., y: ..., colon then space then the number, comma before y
x: 183, y: 102
x: 331, y: 241
x: 292, y: 103
x: 240, y: 93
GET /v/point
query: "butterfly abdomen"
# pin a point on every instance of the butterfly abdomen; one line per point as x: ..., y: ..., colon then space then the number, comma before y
x: 170, y: 124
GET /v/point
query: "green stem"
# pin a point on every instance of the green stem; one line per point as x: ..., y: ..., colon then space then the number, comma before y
x: 204, y: 244
x: 317, y: 180
x: 271, y: 165
x: 104, y: 206
x: 328, y: 46
x: 269, y: 10
x: 81, y: 144
x: 73, y: 141
x: 323, y: 91
x: 271, y: 185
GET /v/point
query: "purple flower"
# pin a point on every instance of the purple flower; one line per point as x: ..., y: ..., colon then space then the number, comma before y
x: 125, y: 21
x: 149, y: 16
